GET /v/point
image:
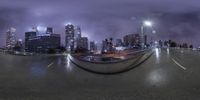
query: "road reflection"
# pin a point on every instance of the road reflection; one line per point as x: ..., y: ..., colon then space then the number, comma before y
x: 168, y: 52
x: 68, y: 65
x: 157, y: 78
x: 157, y: 51
x: 38, y: 70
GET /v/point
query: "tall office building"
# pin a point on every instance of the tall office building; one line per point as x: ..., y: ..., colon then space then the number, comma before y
x: 107, y: 46
x: 119, y: 43
x: 18, y: 45
x: 93, y: 46
x: 29, y: 35
x: 104, y: 45
x: 78, y: 32
x: 145, y: 39
x: 131, y: 40
x: 82, y: 43
x: 43, y: 43
x: 77, y: 36
x: 34, y: 29
x: 49, y: 30
x: 138, y: 39
x: 10, y: 38
x: 69, y: 37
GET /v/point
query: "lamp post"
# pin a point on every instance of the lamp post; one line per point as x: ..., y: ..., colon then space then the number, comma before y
x: 144, y: 24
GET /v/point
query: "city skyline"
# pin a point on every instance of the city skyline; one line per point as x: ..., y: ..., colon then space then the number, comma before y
x: 74, y: 31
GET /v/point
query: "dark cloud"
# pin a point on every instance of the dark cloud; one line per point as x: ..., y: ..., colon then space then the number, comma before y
x: 10, y: 17
x: 173, y: 19
x: 180, y: 26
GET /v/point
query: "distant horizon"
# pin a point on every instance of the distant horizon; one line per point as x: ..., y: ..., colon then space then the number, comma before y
x: 42, y: 30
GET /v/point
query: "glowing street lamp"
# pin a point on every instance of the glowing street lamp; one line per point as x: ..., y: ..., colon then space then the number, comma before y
x: 146, y: 23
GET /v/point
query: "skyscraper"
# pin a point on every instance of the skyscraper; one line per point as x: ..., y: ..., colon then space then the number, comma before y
x: 43, y: 43
x: 18, y: 45
x: 10, y: 38
x: 83, y: 43
x: 131, y: 40
x: 145, y: 39
x: 93, y: 46
x: 69, y: 37
x: 119, y: 42
x: 107, y: 46
x: 29, y: 35
x: 49, y: 30
x: 77, y: 36
x: 78, y: 32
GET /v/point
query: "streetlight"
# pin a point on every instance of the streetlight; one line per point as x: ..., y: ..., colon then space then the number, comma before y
x: 146, y: 23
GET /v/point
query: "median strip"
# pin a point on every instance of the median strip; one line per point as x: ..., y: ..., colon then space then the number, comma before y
x: 178, y: 64
x: 50, y: 64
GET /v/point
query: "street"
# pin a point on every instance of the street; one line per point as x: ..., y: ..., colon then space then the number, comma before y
x: 169, y: 74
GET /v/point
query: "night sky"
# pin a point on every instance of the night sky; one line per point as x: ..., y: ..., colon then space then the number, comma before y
x: 173, y: 19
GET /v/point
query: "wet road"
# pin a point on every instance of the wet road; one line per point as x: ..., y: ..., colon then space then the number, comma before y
x: 169, y: 74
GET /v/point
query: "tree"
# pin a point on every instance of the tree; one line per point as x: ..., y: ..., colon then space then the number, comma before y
x: 165, y: 43
x: 51, y: 51
x: 81, y: 50
x: 61, y: 49
x: 185, y: 45
x: 111, y: 39
x: 191, y: 46
x: 173, y: 44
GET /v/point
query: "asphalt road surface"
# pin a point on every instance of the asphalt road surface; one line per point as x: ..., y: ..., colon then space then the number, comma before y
x: 169, y: 74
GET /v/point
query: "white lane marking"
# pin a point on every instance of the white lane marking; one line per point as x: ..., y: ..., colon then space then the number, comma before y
x: 178, y: 64
x: 50, y: 64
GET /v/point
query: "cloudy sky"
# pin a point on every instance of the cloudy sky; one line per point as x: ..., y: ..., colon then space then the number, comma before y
x: 173, y: 19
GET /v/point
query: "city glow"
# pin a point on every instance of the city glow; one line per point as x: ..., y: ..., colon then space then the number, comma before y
x: 68, y: 66
x: 20, y: 40
x: 154, y: 32
x: 69, y: 23
x: 86, y: 34
x: 41, y: 28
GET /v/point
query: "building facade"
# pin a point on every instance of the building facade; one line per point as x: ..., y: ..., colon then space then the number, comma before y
x: 49, y: 30
x: 29, y: 35
x: 69, y: 37
x: 132, y: 40
x: 10, y: 38
x: 119, y: 43
x: 82, y: 43
x: 78, y: 32
x: 43, y: 43
x: 107, y: 46
x: 93, y: 46
x: 77, y: 36
x: 18, y: 45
